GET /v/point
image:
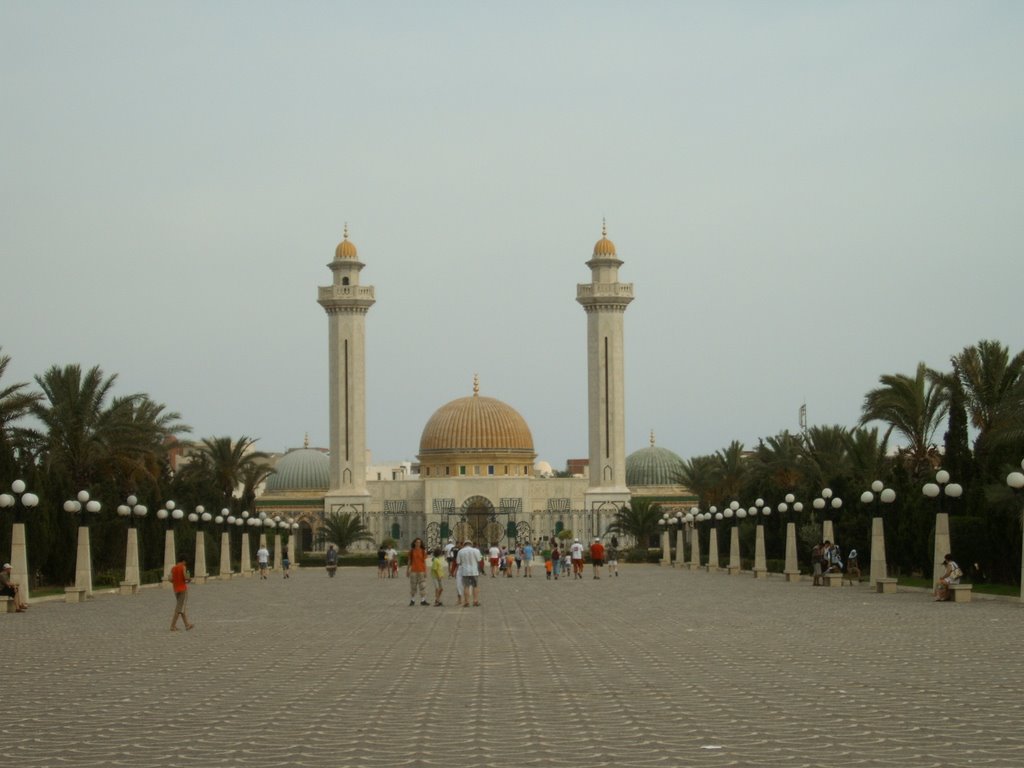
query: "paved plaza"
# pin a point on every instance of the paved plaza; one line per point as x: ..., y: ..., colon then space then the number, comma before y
x: 660, y: 667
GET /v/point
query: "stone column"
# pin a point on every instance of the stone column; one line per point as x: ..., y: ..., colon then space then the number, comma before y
x: 681, y: 544
x: 942, y: 546
x: 225, y: 554
x: 879, y: 568
x: 713, y: 564
x: 199, y: 568
x: 291, y: 550
x: 827, y: 534
x: 277, y: 552
x: 734, y: 550
x: 760, y: 561
x: 666, y: 552
x: 792, y: 568
x: 131, y: 563
x: 695, y: 548
x: 83, y: 561
x: 245, y: 564
x: 168, y: 556
x: 19, y: 560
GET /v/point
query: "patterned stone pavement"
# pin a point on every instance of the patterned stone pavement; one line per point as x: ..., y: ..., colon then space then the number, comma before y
x: 660, y: 667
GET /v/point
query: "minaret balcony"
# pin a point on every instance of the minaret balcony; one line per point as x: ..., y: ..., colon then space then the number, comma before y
x: 604, y: 291
x: 346, y: 295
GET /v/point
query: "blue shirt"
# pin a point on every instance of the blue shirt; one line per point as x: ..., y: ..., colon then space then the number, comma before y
x: 528, y: 552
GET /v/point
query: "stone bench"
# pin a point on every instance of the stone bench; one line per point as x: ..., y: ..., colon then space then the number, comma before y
x: 833, y: 579
x: 885, y: 586
x: 128, y: 588
x: 960, y: 593
x: 7, y: 604
x: 74, y: 594
x: 792, y: 576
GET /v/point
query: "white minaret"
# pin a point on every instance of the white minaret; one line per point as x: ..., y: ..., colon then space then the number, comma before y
x: 346, y: 303
x: 605, y: 299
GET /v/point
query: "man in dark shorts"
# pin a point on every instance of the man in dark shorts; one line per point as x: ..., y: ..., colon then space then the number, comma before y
x: 597, y: 557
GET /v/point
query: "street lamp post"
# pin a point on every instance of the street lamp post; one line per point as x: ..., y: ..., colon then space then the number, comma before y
x: 761, y: 511
x: 197, y: 518
x: 792, y: 570
x: 692, y: 518
x: 291, y: 542
x: 130, y: 510
x: 713, y: 560
x: 227, y: 519
x: 276, y: 525
x: 879, y: 573
x: 680, y: 539
x: 170, y: 513
x: 84, y: 506
x: 827, y: 505
x: 940, y: 489
x: 666, y: 552
x: 1016, y: 482
x: 733, y: 512
x: 262, y: 517
x: 21, y: 502
x: 244, y: 558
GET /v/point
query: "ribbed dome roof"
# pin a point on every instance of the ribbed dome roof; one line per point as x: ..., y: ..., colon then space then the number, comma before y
x: 476, y: 423
x: 604, y: 246
x: 653, y: 466
x: 303, y: 469
x: 346, y: 249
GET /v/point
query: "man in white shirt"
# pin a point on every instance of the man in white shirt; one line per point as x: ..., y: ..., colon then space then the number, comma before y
x: 469, y: 559
x: 576, y: 552
x: 495, y: 557
x: 263, y: 559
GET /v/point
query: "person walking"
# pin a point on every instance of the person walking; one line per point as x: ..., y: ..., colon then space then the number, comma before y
x: 612, y: 558
x: 263, y: 560
x: 332, y: 560
x: 528, y: 560
x: 597, y: 557
x: 556, y: 561
x: 180, y: 581
x: 286, y: 564
x: 469, y: 564
x: 576, y: 555
x: 438, y: 569
x: 416, y: 571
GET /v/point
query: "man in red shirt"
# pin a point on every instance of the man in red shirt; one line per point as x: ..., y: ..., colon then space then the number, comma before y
x: 597, y: 557
x: 180, y: 580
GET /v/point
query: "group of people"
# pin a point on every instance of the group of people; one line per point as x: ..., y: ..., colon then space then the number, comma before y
x: 826, y: 557
x: 468, y: 567
x: 387, y: 562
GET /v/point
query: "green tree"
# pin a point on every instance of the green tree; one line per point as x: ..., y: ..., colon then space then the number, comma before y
x: 638, y: 519
x: 226, y: 462
x: 913, y: 407
x: 343, y: 529
x: 700, y: 476
x: 15, y: 404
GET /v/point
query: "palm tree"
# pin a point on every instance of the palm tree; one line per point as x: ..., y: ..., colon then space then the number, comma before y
x: 731, y: 472
x: 252, y: 476
x: 343, y: 529
x: 639, y: 519
x: 992, y: 387
x: 700, y: 476
x: 913, y: 407
x: 226, y: 461
x: 867, y: 456
x: 778, y: 466
x: 15, y: 404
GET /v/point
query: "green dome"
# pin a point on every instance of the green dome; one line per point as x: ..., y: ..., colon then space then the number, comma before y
x: 303, y: 469
x: 653, y: 466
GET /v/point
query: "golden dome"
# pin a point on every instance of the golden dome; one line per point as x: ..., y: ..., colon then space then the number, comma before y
x: 604, y: 246
x: 475, y: 425
x: 345, y: 249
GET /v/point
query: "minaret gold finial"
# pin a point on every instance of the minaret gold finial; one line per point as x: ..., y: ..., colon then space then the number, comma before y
x: 604, y: 227
x: 476, y: 384
x: 305, y: 443
x: 345, y: 232
x: 652, y: 438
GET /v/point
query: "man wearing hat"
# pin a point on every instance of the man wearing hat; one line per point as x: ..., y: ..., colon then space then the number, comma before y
x: 597, y: 557
x: 469, y: 559
x: 10, y: 589
x: 576, y: 554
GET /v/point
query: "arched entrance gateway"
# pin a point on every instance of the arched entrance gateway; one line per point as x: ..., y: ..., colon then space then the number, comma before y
x: 480, y: 521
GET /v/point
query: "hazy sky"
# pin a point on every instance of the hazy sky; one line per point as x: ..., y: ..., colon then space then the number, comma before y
x: 806, y: 195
